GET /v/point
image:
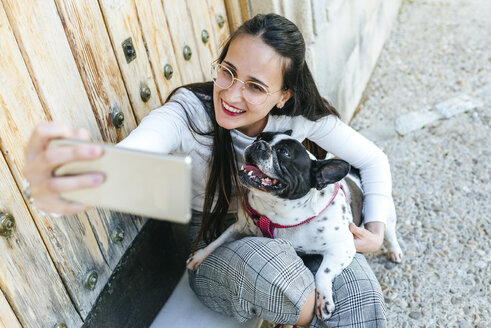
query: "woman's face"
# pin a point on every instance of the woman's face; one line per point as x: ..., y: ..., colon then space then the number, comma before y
x: 250, y: 59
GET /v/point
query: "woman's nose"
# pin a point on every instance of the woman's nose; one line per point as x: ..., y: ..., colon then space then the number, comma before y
x: 235, y: 91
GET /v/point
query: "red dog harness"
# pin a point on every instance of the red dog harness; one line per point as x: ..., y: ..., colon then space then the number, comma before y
x: 267, y: 227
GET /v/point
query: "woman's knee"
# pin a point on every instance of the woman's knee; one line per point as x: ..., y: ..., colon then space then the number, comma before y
x: 358, y: 297
x: 254, y: 273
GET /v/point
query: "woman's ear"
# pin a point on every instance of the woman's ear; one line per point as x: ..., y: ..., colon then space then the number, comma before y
x: 285, y: 95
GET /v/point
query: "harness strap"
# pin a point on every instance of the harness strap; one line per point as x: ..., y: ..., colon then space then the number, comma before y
x: 267, y: 226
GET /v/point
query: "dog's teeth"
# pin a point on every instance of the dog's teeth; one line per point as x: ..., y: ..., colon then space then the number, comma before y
x: 242, y: 167
x: 267, y: 179
x: 250, y: 173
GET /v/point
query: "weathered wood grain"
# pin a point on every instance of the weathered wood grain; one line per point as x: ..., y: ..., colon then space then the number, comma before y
x: 71, y: 242
x: 63, y: 60
x: 208, y: 52
x: 237, y: 12
x: 159, y: 45
x: 121, y: 19
x: 97, y: 64
x: 45, y: 49
x: 7, y: 316
x: 27, y: 276
x: 98, y: 67
x: 181, y: 32
x: 217, y: 8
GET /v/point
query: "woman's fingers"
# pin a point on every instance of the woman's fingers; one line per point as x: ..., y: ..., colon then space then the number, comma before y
x: 43, y: 133
x: 82, y: 134
x: 365, y: 240
x: 47, y: 197
x: 356, y: 231
x: 42, y: 160
x: 51, y: 158
x: 57, y: 185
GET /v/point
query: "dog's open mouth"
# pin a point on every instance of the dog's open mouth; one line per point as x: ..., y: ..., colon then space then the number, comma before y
x: 251, y: 174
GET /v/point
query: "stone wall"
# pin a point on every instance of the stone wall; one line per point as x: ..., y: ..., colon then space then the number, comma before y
x: 344, y: 39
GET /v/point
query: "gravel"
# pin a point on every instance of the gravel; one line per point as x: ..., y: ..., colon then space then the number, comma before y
x: 437, y: 51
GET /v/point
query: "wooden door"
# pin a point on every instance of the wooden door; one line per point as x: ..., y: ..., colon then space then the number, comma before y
x: 82, y: 62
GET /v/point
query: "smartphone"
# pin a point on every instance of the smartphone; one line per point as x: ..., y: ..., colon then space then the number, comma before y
x: 137, y: 182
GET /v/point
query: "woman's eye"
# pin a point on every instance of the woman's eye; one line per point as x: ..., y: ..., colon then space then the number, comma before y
x: 283, y: 152
x: 255, y: 87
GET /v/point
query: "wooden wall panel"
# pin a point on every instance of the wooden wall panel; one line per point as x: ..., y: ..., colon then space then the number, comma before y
x: 45, y: 49
x: 97, y: 64
x: 27, y: 276
x: 217, y: 9
x: 208, y: 52
x: 159, y: 44
x: 181, y: 31
x: 92, y: 50
x: 63, y: 60
x: 70, y: 241
x: 7, y: 315
x: 121, y: 20
x: 237, y: 12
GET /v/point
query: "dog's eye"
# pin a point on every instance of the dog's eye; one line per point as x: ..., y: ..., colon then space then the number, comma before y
x: 283, y: 152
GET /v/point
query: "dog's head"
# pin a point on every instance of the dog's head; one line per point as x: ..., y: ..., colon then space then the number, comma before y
x: 278, y: 164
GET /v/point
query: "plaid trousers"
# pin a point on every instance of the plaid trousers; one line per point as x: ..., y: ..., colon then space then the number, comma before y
x: 262, y: 277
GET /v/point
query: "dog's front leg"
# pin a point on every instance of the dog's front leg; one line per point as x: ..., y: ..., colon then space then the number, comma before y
x: 236, y: 230
x: 332, y: 265
x: 199, y: 256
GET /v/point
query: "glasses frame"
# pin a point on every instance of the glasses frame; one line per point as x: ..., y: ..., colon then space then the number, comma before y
x: 242, y: 88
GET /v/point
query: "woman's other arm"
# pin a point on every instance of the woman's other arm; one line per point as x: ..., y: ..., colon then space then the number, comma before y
x: 344, y: 142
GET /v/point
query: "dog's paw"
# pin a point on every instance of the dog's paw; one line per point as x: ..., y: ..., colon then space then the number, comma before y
x: 395, y: 255
x: 194, y: 261
x: 324, y: 306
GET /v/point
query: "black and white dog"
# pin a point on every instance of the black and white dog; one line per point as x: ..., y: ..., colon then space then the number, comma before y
x: 293, y: 196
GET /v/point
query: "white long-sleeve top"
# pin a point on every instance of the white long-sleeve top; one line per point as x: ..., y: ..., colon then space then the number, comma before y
x: 166, y: 130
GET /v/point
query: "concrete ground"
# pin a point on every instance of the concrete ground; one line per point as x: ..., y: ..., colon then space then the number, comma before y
x: 427, y: 105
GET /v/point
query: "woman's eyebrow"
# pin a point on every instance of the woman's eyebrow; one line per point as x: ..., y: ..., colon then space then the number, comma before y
x: 251, y: 77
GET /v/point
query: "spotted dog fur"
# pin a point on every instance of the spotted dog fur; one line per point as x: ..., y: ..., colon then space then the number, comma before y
x: 288, y: 185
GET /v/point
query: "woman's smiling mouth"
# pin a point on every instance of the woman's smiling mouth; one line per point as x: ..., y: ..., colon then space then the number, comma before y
x: 230, y: 110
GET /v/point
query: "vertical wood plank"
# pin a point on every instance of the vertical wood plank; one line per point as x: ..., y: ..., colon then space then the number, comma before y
x: 237, y: 12
x: 181, y: 32
x: 217, y: 9
x: 97, y: 64
x: 7, y: 315
x: 27, y: 276
x: 197, y: 10
x: 159, y: 44
x: 45, y: 49
x: 122, y: 23
x: 70, y: 241
x: 91, y: 47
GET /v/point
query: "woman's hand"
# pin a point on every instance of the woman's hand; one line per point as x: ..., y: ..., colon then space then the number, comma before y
x: 41, y: 162
x: 368, y: 239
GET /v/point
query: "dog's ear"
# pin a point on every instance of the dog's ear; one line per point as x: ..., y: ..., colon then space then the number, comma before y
x: 328, y: 171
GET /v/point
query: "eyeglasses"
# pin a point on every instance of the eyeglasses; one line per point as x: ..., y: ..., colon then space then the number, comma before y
x: 253, y: 92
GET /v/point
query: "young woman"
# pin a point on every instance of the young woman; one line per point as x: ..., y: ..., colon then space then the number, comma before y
x: 260, y: 83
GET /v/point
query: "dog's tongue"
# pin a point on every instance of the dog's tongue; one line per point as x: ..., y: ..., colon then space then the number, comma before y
x: 255, y: 174
x: 255, y: 171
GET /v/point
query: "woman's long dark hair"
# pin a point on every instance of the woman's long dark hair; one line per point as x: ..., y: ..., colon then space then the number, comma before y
x: 283, y: 36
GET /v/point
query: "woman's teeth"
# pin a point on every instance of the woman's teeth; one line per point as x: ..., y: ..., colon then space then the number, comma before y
x: 231, y: 109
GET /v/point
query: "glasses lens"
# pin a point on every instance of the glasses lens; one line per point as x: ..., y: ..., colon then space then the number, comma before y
x: 255, y: 93
x: 222, y: 76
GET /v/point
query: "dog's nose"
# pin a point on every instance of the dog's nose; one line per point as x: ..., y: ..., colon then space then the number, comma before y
x: 261, y: 145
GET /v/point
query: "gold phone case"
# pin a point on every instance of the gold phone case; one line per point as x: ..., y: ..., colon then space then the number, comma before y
x: 137, y: 182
